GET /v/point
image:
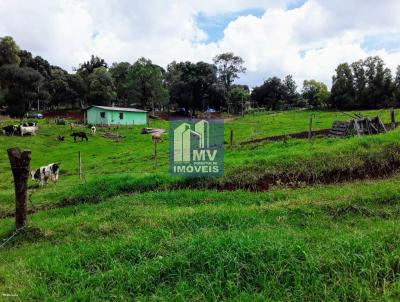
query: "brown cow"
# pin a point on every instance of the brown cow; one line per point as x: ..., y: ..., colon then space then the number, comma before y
x: 156, y: 137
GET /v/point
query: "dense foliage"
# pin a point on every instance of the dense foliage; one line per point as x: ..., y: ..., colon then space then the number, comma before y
x: 31, y: 83
x: 364, y: 84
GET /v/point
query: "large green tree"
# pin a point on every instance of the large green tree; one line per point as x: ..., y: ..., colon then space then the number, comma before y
x: 379, y: 89
x: 342, y: 91
x: 396, y: 87
x: 9, y: 51
x: 66, y: 89
x: 276, y: 94
x: 119, y: 73
x: 364, y: 84
x: 77, y: 90
x: 240, y: 94
x: 3, y: 93
x: 22, y: 84
x: 290, y: 95
x: 192, y: 85
x: 315, y: 93
x: 101, y: 90
x: 145, y: 84
x: 229, y: 67
x: 88, y: 67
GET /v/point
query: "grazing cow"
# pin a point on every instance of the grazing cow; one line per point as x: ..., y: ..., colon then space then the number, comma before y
x: 156, y: 137
x: 10, y: 130
x: 45, y: 173
x: 82, y: 135
x: 93, y: 129
x: 27, y: 130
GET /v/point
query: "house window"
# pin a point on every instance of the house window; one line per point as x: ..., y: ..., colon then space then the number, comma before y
x: 121, y: 116
x: 102, y: 114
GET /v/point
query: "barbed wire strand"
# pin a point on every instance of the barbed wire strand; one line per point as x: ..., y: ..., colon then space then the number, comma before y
x: 15, y: 233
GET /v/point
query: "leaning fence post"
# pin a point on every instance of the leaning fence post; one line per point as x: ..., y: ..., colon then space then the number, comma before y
x: 392, y: 118
x: 310, y: 128
x: 20, y: 161
x: 231, y: 138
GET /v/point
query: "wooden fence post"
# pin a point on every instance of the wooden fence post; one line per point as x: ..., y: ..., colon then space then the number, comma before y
x: 310, y: 128
x: 80, y: 164
x: 231, y: 138
x: 155, y: 154
x: 392, y: 118
x: 20, y: 161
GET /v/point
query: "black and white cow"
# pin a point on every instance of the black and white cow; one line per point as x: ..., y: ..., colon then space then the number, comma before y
x: 10, y: 130
x: 45, y: 173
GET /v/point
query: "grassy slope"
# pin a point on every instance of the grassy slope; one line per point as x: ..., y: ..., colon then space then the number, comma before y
x: 133, y: 155
x: 321, y: 243
x: 254, y: 126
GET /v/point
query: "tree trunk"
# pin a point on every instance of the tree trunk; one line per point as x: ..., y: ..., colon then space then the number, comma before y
x: 20, y: 161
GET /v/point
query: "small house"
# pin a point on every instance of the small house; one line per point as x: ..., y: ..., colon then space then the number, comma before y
x: 102, y: 115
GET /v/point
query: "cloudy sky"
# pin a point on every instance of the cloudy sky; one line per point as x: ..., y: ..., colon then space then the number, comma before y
x: 306, y: 38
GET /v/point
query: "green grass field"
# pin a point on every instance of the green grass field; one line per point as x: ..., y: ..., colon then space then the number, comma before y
x: 132, y: 232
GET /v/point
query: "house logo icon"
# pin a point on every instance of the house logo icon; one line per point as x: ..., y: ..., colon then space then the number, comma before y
x: 196, y: 147
x: 186, y: 140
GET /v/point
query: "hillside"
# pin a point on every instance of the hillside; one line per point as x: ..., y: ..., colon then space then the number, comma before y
x: 290, y: 220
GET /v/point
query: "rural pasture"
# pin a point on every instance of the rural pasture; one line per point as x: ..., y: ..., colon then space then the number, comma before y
x: 291, y: 220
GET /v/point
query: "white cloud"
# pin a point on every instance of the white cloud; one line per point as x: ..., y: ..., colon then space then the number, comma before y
x: 308, y: 41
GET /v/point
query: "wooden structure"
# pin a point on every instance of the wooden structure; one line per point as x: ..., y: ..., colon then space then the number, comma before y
x: 339, y: 129
x: 359, y: 126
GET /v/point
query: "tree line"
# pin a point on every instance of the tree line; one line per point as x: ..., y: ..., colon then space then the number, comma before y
x: 31, y: 83
x: 364, y: 84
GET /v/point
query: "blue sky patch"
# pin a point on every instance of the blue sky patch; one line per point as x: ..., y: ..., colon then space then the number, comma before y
x: 295, y: 4
x: 214, y: 25
x: 389, y: 42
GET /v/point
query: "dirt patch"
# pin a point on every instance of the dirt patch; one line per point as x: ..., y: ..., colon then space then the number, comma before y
x: 293, y: 180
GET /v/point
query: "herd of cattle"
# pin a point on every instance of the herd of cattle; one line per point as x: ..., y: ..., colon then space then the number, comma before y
x: 51, y: 171
x: 22, y: 129
x: 31, y: 128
